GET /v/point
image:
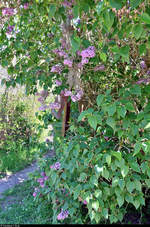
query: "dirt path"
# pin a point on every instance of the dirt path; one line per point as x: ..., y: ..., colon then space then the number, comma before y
x: 10, y: 181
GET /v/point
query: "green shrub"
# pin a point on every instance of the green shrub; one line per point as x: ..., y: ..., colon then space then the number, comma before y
x: 103, y: 163
x: 18, y: 134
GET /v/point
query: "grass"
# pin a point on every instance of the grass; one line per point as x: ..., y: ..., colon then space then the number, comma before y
x: 15, y: 161
x: 18, y: 206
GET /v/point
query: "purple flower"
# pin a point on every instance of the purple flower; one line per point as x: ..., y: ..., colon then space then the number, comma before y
x: 34, y: 194
x: 68, y: 62
x: 79, y: 93
x: 43, y: 174
x: 47, y: 140
x: 85, y: 202
x: 67, y: 93
x: 74, y: 98
x: 143, y: 80
x: 63, y: 214
x: 54, y: 105
x: 60, y: 52
x: 56, y: 69
x: 42, y: 185
x: 89, y: 52
x: 66, y: 3
x: 8, y: 11
x: 78, y: 96
x: 10, y: 29
x: 46, y: 178
x: 40, y: 180
x: 26, y: 5
x: 106, y: 138
x: 42, y: 108
x: 58, y: 82
x: 148, y: 72
x: 40, y: 99
x: 84, y: 61
x: 56, y: 166
x: 143, y: 65
x: 99, y: 68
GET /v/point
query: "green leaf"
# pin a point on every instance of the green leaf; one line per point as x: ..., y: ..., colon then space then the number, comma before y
x: 115, y: 181
x: 137, y: 148
x: 103, y: 56
x: 75, y: 11
x: 148, y: 172
x: 120, y: 200
x: 121, y: 184
x: 51, y: 10
x: 147, y: 181
x: 142, y: 49
x: 130, y: 186
x: 124, y: 170
x: 111, y: 109
x: 54, y: 176
x: 137, y: 30
x: 147, y: 126
x: 108, y: 19
x: 111, y: 122
x: 82, y: 176
x: 136, y: 203
x: 98, y: 193
x: 77, y: 191
x: 92, y: 121
x: 93, y: 180
x: 85, y: 113
x: 75, y: 43
x: 135, y: 90
x: 134, y: 3
x: 108, y: 159
x: 105, y: 173
x: 105, y: 213
x: 134, y: 165
x: 95, y: 205
x: 99, y: 99
x: 97, y: 217
x: 124, y: 51
x: 138, y: 185
x: 129, y: 106
x: 117, y: 154
x: 99, y: 7
x: 115, y: 4
x: 121, y: 110
x: 145, y: 18
x: 129, y: 198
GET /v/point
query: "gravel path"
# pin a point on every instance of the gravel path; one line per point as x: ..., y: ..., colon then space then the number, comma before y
x: 19, y: 177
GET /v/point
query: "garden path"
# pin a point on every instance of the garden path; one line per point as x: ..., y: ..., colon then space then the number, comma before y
x: 11, y: 180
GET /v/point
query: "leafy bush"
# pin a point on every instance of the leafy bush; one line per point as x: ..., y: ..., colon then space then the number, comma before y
x: 18, y: 136
x: 102, y: 166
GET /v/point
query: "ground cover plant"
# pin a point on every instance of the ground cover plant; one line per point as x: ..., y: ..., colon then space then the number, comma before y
x: 18, y: 207
x: 94, y: 56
